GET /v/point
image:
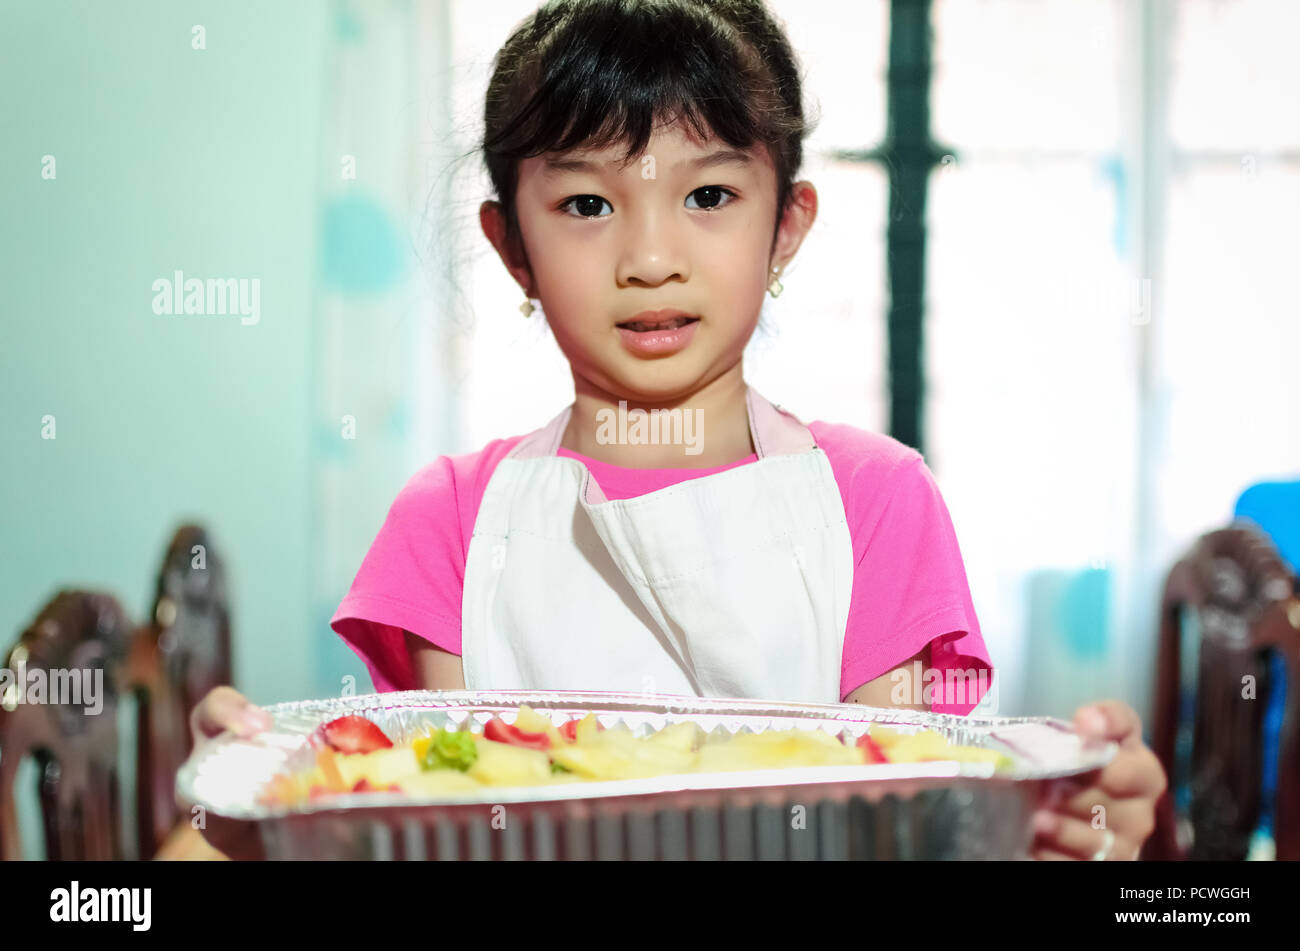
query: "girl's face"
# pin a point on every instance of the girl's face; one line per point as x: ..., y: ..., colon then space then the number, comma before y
x: 687, y: 226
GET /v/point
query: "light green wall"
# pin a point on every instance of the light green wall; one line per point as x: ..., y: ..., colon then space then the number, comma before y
x: 167, y: 158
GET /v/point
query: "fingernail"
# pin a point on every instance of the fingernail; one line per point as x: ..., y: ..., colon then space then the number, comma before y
x: 1092, y: 720
x: 254, y: 720
x: 1045, y: 822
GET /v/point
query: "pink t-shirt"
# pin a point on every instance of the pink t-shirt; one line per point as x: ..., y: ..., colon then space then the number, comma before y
x: 909, y: 584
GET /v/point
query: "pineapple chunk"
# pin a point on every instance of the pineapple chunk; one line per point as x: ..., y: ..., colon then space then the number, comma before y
x: 593, y: 762
x: 438, y: 782
x: 500, y: 764
x: 287, y: 789
x: 680, y: 736
x: 884, y: 736
x: 820, y: 737
x: 530, y: 721
x: 636, y: 760
x: 919, y: 747
x: 774, y: 750
x: 380, y: 767
x: 928, y: 746
x: 618, y: 754
x: 618, y: 736
x: 588, y: 729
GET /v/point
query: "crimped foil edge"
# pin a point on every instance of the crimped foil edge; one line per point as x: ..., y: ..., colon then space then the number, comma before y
x: 225, y: 774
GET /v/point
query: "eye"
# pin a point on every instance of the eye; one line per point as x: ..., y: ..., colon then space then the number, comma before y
x: 711, y: 197
x: 585, y: 204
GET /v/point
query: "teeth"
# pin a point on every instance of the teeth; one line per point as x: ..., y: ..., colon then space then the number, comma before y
x: 641, y: 326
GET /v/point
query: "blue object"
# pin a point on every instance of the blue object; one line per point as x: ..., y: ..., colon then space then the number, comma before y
x: 1083, y: 612
x: 1275, y: 508
x: 361, y: 250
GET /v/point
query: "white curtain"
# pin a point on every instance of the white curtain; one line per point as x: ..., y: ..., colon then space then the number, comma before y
x: 384, y: 402
x: 1112, y: 323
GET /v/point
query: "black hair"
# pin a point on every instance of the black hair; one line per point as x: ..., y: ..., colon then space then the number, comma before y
x: 593, y: 73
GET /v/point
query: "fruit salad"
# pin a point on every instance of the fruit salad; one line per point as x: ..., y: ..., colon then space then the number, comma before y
x: 354, y: 755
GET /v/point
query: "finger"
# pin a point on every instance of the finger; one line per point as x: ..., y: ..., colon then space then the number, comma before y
x: 1131, y: 774
x: 1134, y: 774
x: 1110, y: 720
x: 1083, y: 804
x: 1133, y: 817
x: 1071, y: 836
x: 224, y: 708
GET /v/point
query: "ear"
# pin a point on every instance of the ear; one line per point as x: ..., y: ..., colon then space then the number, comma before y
x: 492, y: 216
x: 795, y: 224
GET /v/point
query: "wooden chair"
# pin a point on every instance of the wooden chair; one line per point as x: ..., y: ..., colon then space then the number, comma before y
x: 181, y: 653
x: 1235, y: 590
x: 74, y: 741
x: 168, y: 664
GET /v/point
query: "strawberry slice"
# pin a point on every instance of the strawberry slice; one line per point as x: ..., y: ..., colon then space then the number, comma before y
x: 354, y: 734
x: 499, y: 731
x: 874, y: 753
x: 569, y: 729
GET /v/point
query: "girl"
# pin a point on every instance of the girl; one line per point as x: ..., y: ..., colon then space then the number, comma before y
x: 672, y: 531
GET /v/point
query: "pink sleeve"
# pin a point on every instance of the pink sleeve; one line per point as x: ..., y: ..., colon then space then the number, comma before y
x: 909, y: 582
x: 413, y: 575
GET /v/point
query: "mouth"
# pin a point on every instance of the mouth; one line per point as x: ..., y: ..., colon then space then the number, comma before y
x: 658, y: 320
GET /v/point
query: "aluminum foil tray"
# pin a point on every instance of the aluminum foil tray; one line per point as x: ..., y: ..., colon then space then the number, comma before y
x: 935, y: 810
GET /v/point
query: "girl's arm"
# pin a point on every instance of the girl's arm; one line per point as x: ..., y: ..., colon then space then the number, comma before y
x: 435, y: 668
x: 876, y: 693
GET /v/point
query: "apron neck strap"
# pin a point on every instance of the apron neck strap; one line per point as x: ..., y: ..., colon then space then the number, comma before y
x: 545, y: 441
x: 775, y: 431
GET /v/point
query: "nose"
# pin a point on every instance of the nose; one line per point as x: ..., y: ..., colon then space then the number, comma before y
x: 653, y: 252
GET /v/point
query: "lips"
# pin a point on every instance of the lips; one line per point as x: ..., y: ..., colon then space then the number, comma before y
x: 651, y: 320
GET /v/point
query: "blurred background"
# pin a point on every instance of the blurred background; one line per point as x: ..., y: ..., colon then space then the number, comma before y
x: 1088, y: 211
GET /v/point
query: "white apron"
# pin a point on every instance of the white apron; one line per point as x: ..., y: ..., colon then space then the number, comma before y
x: 735, y: 584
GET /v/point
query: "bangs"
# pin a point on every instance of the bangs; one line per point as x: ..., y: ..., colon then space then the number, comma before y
x: 627, y: 71
x: 612, y: 72
x: 593, y: 74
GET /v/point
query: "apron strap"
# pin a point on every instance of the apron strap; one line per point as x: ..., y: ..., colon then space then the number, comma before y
x: 545, y: 441
x: 775, y: 431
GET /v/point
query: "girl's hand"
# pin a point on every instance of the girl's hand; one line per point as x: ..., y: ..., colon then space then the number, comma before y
x: 225, y: 708
x: 1071, y: 826
x: 222, y: 709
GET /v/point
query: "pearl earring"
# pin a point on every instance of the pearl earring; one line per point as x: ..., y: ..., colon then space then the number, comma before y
x: 526, y: 308
x: 775, y: 287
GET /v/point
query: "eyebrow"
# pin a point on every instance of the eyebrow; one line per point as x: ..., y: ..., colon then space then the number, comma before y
x: 556, y: 166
